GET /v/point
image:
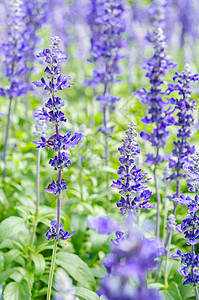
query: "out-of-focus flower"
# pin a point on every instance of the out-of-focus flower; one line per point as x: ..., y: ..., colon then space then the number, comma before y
x: 132, y: 257
x: 103, y: 225
x: 63, y: 286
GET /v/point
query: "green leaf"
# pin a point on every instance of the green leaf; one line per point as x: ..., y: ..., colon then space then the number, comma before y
x: 11, y: 226
x: 174, y: 291
x: 99, y: 272
x: 11, y: 244
x: 39, y: 262
x: 104, y: 169
x: 10, y: 256
x: 77, y: 269
x: 2, y: 196
x: 86, y: 294
x: 165, y: 295
x: 186, y: 291
x: 17, y: 291
x: 5, y: 275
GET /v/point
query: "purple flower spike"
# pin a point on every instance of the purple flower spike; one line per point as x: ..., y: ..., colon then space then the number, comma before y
x: 184, y: 107
x: 159, y: 111
x: 107, y: 25
x: 134, y: 195
x: 190, y: 226
x: 52, y: 113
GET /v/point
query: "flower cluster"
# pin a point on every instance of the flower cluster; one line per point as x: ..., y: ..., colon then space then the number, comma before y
x: 15, y: 51
x: 189, y: 226
x: 52, y: 113
x: 106, y: 25
x: 159, y: 113
x: 62, y: 235
x: 132, y: 257
x: 36, y: 12
x: 134, y: 195
x: 184, y: 107
x: 187, y: 16
x: 189, y: 261
x: 23, y: 20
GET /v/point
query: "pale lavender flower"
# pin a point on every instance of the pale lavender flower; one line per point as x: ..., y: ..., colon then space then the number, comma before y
x: 63, y: 286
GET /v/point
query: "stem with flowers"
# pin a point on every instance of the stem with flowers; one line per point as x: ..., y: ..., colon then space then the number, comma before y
x: 57, y: 142
x: 189, y: 226
x: 106, y: 23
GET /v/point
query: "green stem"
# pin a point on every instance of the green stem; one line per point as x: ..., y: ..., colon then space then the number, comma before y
x: 166, y: 263
x: 38, y: 198
x: 105, y: 120
x: 92, y: 112
x: 52, y: 268
x: 7, y: 137
x: 165, y: 212
x: 80, y: 171
x: 158, y: 204
x: 196, y: 292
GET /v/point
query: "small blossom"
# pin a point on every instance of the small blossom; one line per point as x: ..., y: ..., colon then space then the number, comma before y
x: 56, y: 188
x: 63, y: 235
x: 102, y: 225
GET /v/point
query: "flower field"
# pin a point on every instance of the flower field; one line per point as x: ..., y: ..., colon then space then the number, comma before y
x: 99, y: 153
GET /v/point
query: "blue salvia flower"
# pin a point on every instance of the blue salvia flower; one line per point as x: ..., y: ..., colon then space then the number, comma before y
x: 23, y: 20
x: 187, y: 17
x: 189, y: 226
x: 15, y: 51
x: 68, y: 18
x: 185, y: 120
x: 182, y: 148
x: 134, y: 194
x: 159, y: 112
x: 63, y: 286
x: 53, y: 113
x: 106, y: 25
x: 36, y: 12
x: 131, y: 258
